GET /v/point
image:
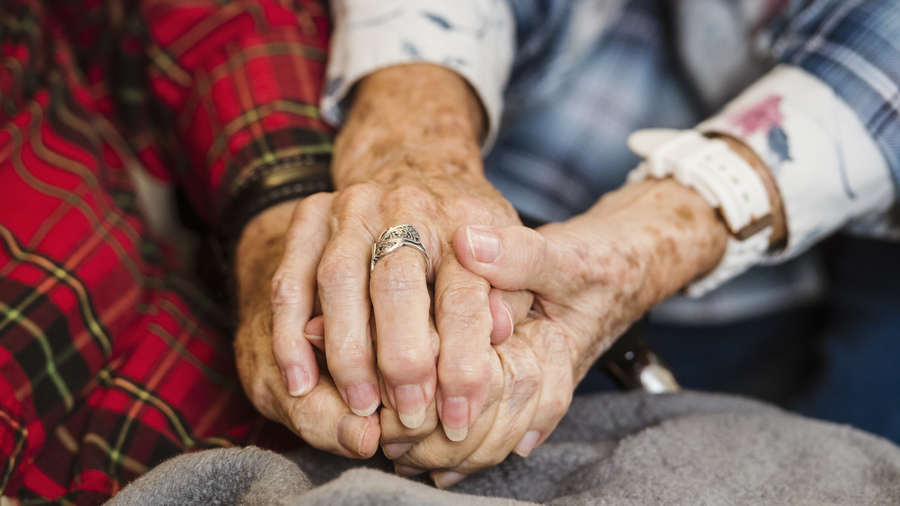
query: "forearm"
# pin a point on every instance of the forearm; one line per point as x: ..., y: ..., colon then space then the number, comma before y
x: 666, y: 232
x: 653, y: 239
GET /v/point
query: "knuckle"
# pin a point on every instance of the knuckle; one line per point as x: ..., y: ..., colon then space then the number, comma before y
x: 468, y: 373
x: 352, y: 355
x: 407, y: 363
x: 281, y: 344
x: 311, y: 205
x: 410, y: 197
x: 464, y: 301
x: 558, y: 405
x: 336, y: 274
x: 394, y: 279
x: 525, y: 377
x: 286, y: 287
x: 359, y: 193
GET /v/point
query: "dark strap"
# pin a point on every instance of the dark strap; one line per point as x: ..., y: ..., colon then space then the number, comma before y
x: 286, y: 179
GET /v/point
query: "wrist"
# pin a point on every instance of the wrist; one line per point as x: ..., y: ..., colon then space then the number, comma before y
x: 418, y: 107
x: 731, y: 179
x: 673, y: 236
x: 639, y: 245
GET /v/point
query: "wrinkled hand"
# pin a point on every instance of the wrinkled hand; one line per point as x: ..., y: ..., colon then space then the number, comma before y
x: 320, y: 416
x: 403, y: 158
x: 592, y: 276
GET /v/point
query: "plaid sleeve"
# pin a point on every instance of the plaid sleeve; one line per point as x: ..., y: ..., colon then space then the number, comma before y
x: 852, y: 46
x: 240, y: 82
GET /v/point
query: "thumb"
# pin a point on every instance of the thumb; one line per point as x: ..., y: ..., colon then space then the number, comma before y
x: 509, y: 258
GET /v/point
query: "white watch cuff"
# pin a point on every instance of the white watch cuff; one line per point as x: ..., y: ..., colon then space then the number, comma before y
x: 475, y: 38
x: 828, y: 168
x: 725, y: 180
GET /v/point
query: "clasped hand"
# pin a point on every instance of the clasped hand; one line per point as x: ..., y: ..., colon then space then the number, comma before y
x: 458, y: 394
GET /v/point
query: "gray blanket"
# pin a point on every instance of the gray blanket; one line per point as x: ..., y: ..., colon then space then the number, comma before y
x: 621, y: 449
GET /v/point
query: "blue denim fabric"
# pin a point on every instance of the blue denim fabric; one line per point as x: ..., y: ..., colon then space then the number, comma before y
x: 859, y: 383
x: 850, y: 44
x: 558, y: 154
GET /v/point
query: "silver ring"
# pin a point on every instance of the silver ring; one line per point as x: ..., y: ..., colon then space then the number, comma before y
x: 392, y: 239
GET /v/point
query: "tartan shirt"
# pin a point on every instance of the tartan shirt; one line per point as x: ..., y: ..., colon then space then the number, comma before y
x: 112, y: 357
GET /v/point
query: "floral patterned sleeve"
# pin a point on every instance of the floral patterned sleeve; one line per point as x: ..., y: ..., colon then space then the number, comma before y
x: 472, y: 37
x: 827, y: 120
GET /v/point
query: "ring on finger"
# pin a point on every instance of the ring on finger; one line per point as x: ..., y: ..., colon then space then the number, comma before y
x: 392, y: 239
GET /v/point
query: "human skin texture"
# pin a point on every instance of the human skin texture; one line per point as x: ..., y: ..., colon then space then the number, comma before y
x: 457, y: 395
x: 409, y: 154
x: 592, y: 277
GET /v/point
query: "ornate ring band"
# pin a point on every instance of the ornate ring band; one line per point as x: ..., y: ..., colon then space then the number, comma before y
x: 392, y: 239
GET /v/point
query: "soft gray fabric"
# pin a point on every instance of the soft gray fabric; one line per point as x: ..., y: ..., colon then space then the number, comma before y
x: 622, y: 449
x: 246, y: 476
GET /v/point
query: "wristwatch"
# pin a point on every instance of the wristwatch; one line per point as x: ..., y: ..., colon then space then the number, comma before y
x: 725, y: 180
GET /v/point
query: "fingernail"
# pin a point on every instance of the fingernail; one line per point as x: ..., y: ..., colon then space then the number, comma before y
x: 315, y: 332
x: 455, y: 418
x: 447, y: 479
x: 509, y: 316
x: 315, y: 328
x: 526, y: 445
x: 395, y: 450
x: 298, y: 381
x: 351, y: 431
x: 407, y: 470
x: 362, y: 399
x: 485, y: 244
x: 410, y: 405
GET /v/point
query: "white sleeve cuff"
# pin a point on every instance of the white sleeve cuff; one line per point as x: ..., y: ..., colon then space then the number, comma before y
x: 475, y: 38
x: 827, y: 167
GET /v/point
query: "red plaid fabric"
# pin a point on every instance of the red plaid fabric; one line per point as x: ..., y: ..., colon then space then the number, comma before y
x: 111, y: 357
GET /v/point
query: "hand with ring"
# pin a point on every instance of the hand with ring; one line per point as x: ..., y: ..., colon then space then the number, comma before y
x: 407, y: 162
x: 592, y: 277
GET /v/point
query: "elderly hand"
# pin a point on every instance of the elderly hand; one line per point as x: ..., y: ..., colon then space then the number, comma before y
x: 592, y: 276
x: 320, y: 416
x: 407, y: 155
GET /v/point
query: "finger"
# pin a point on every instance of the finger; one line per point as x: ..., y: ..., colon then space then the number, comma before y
x: 343, y: 292
x: 503, y: 424
x: 315, y: 332
x: 557, y: 382
x: 437, y: 451
x: 397, y: 438
x: 510, y: 258
x: 293, y: 293
x: 405, y: 340
x: 320, y: 416
x: 464, y: 323
x: 323, y: 420
x: 507, y: 310
x: 526, y: 414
